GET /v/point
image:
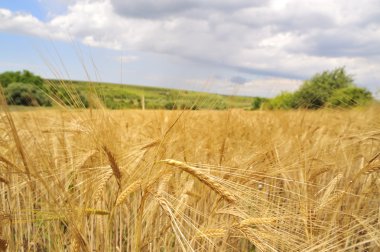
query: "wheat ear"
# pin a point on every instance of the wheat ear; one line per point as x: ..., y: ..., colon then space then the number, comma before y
x: 101, y: 185
x: 373, y: 165
x: 127, y: 191
x: 330, y: 188
x: 333, y: 199
x: 259, y: 221
x: 214, y: 185
x: 115, y: 168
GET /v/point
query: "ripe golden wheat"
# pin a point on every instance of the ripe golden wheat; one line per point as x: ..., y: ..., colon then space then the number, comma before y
x: 100, y: 180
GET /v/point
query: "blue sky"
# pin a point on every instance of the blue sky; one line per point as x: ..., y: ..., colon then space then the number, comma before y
x: 245, y: 47
x: 30, y: 6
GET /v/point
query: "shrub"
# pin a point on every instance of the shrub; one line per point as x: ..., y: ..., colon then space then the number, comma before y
x: 25, y: 76
x: 171, y: 106
x: 257, y: 102
x: 314, y: 93
x: 349, y: 96
x: 26, y: 94
x: 285, y: 100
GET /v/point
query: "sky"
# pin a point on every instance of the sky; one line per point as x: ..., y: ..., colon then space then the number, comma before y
x: 239, y: 47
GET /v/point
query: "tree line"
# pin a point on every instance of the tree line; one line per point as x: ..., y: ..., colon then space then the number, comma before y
x: 327, y: 89
x: 333, y: 88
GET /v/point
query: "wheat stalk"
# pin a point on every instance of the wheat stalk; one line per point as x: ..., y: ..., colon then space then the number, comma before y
x: 211, y: 233
x: 247, y: 233
x: 371, y: 230
x: 167, y: 208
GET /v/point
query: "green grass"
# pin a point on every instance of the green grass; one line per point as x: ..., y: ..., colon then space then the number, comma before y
x: 117, y: 96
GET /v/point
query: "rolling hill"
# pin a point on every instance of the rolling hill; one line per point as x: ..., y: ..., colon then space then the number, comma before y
x: 120, y: 96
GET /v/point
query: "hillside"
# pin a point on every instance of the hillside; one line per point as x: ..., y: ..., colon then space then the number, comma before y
x: 118, y: 96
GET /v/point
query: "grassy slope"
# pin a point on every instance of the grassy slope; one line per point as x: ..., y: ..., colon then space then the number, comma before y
x: 119, y: 96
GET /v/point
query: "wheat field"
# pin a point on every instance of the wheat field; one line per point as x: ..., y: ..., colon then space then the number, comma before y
x: 234, y: 180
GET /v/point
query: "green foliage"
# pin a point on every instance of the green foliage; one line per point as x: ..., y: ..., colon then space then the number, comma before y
x: 6, y: 78
x: 171, y: 106
x: 71, y: 98
x: 349, y: 97
x: 183, y: 106
x: 314, y: 93
x: 258, y: 102
x: 285, y: 100
x: 220, y: 105
x: 25, y: 76
x: 330, y: 88
x: 25, y: 94
x: 24, y: 88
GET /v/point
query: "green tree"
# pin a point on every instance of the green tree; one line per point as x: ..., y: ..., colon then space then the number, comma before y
x: 314, y: 93
x: 25, y: 76
x: 349, y: 97
x: 258, y: 102
x: 285, y: 100
x: 28, y: 77
x: 25, y: 94
x: 7, y: 78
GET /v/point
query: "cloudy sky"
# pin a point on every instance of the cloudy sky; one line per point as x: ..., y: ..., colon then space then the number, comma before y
x: 245, y: 47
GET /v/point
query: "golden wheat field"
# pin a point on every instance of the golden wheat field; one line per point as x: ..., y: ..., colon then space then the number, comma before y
x: 130, y: 180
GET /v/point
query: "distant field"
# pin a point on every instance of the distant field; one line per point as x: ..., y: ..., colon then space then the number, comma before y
x: 117, y: 96
x: 157, y: 180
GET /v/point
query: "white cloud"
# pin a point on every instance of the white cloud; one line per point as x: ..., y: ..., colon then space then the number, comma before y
x: 264, y: 87
x: 165, y: 8
x: 24, y: 23
x: 127, y: 59
x: 21, y: 23
x: 279, y: 39
x: 270, y: 86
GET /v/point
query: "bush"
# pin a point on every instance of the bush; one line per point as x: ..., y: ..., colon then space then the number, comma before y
x: 314, y: 93
x: 171, y: 106
x: 330, y: 88
x: 26, y: 94
x: 257, y: 102
x: 285, y: 100
x: 25, y: 76
x: 349, y: 97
